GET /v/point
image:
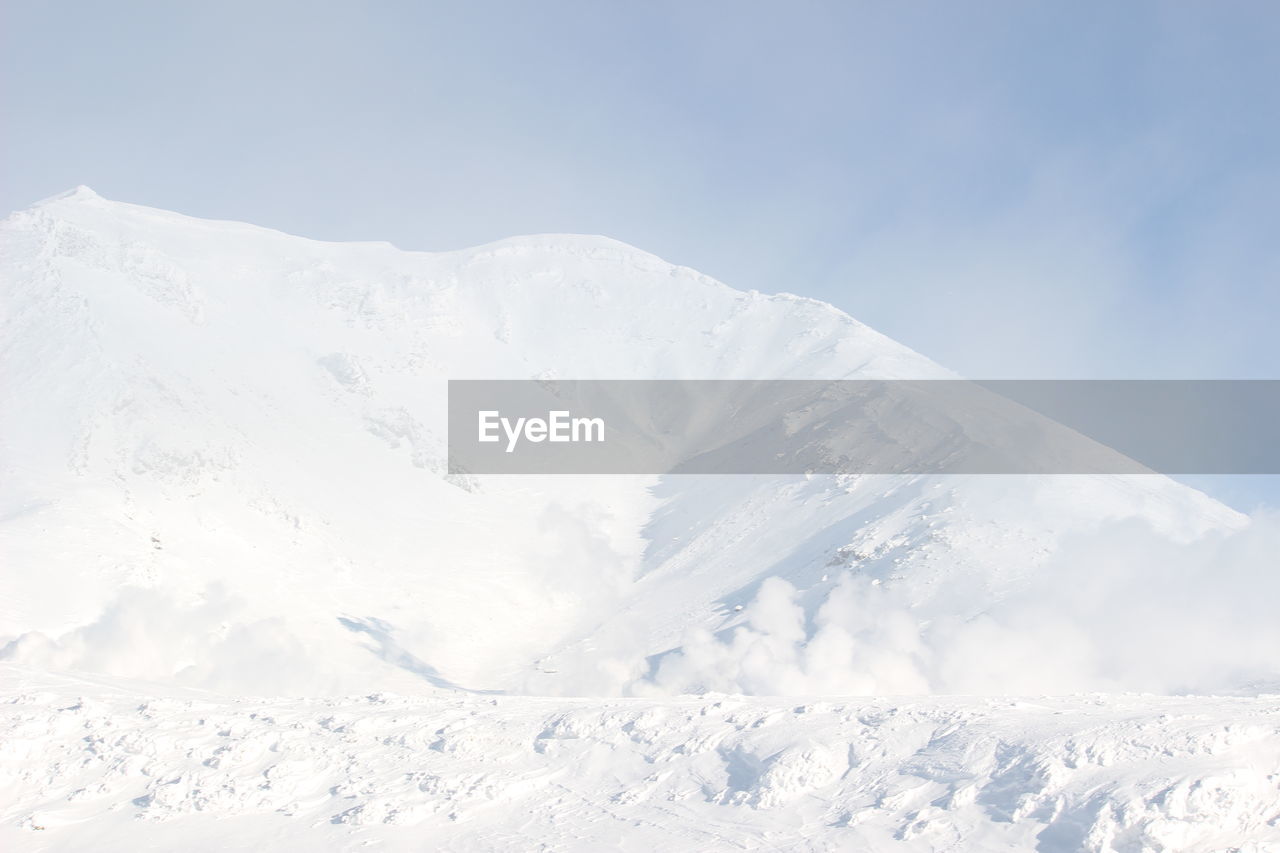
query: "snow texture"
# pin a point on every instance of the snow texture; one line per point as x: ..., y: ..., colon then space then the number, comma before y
x: 87, y: 764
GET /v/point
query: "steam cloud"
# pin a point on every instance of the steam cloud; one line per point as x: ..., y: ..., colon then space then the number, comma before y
x: 1124, y: 609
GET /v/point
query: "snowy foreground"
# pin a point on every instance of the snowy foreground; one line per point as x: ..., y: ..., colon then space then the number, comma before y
x: 86, y: 764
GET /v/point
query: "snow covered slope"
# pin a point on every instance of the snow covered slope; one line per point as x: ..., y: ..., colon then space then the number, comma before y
x: 222, y: 466
x: 222, y: 476
x: 92, y: 765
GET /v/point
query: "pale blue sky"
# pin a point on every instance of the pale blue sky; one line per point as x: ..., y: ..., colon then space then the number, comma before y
x: 1016, y: 189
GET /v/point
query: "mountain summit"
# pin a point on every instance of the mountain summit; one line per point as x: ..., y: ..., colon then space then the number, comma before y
x: 223, y: 467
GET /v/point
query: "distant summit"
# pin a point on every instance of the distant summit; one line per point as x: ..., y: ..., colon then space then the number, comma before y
x: 77, y: 193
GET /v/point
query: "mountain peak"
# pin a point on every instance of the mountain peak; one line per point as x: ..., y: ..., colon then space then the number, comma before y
x: 79, y: 193
x: 184, y: 389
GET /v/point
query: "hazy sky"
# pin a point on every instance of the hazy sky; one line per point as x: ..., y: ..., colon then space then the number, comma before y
x: 1016, y: 189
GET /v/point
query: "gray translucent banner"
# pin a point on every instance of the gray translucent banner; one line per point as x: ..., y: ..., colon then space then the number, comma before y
x: 863, y: 427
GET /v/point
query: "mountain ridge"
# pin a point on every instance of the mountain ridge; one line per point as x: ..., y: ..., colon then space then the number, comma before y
x: 245, y: 428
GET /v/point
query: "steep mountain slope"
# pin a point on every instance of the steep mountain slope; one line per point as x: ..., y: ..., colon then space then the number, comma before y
x: 222, y: 466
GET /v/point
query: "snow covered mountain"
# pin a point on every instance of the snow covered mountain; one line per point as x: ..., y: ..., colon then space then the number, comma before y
x: 222, y: 476
x: 223, y: 466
